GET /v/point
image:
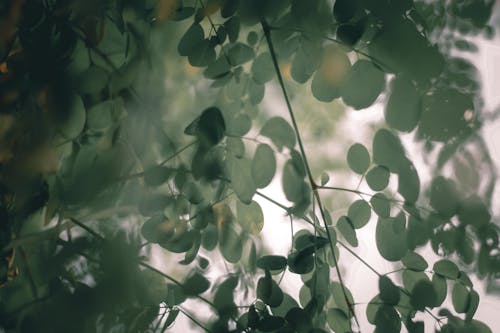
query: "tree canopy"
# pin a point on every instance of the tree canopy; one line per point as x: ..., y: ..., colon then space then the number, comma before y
x: 138, y: 142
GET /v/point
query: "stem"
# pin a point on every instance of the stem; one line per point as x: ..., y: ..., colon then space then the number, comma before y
x: 267, y: 33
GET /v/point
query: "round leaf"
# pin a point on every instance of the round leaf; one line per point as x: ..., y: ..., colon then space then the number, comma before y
x: 263, y: 166
x: 358, y: 158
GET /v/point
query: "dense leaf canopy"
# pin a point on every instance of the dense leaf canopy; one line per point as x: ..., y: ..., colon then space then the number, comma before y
x: 137, y: 146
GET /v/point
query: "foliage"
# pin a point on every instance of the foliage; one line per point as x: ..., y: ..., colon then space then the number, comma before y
x: 100, y: 169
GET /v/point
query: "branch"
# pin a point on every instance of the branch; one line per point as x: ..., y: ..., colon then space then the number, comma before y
x: 267, y: 33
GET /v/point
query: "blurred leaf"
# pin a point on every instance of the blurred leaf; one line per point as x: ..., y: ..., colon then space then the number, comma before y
x: 263, y: 166
x: 358, y: 158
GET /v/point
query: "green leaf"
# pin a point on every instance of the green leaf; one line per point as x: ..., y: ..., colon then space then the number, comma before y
x: 408, y: 181
x: 293, y: 184
x: 230, y: 244
x: 444, y: 197
x: 338, y: 321
x: 359, y: 213
x: 180, y: 242
x: 262, y: 68
x: 344, y: 225
x: 272, y: 263
x: 363, y: 85
x: 263, y: 166
x: 270, y: 323
x: 414, y: 261
x: 172, y: 315
x: 440, y: 287
x: 381, y: 205
x: 202, y: 54
x: 301, y: 262
x: 210, y: 127
x: 241, y: 179
x: 250, y: 217
x: 389, y: 293
x: 224, y: 296
x: 323, y: 90
x: 443, y: 115
x: 473, y: 211
x: 280, y: 132
x: 175, y: 295
x: 460, y: 298
x: 269, y: 291
x: 387, y: 320
x: 378, y: 178
x: 72, y: 125
x: 473, y: 305
x: 340, y: 299
x: 391, y: 242
x: 232, y: 28
x: 189, y: 42
x: 157, y: 175
x: 423, y: 295
x: 403, y: 108
x: 358, y: 158
x: 195, y: 284
x: 239, y: 54
x: 388, y: 150
x: 446, y: 268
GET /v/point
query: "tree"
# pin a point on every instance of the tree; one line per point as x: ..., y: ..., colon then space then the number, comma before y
x: 101, y: 166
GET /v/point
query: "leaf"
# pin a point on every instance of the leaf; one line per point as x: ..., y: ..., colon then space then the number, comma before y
x: 230, y: 244
x: 172, y: 315
x: 239, y: 54
x: 323, y: 90
x: 414, y: 261
x: 344, y: 10
x: 378, y: 178
x: 387, y: 320
x: 263, y: 166
x: 391, y: 242
x: 440, y: 287
x: 189, y: 42
x: 473, y: 211
x: 175, y: 295
x: 403, y: 108
x: 272, y: 263
x: 389, y: 293
x: 180, y: 242
x: 157, y: 175
x: 446, y: 268
x: 280, y: 132
x: 363, y: 85
x: 301, y: 262
x: 210, y: 127
x: 423, y: 295
x: 381, y: 205
x: 262, y: 68
x: 72, y: 125
x: 241, y: 179
x: 250, y: 217
x: 359, y: 213
x: 388, y: 150
x: 408, y: 182
x: 444, y: 197
x: 340, y: 299
x: 473, y: 305
x: 346, y: 228
x: 202, y: 54
x: 195, y: 284
x: 157, y: 229
x: 338, y: 321
x: 224, y: 297
x: 270, y: 323
x: 460, y: 298
x: 232, y: 26
x: 269, y: 291
x: 443, y: 115
x: 324, y: 179
x: 293, y: 184
x: 358, y: 158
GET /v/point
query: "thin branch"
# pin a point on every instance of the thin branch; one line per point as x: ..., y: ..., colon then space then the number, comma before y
x: 267, y: 33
